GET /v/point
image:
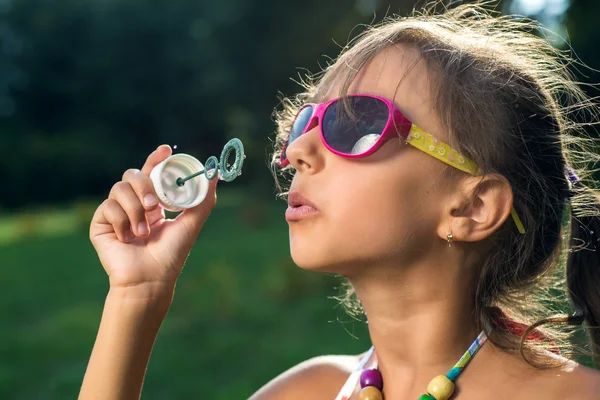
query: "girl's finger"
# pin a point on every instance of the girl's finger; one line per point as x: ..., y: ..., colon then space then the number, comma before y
x: 124, y: 194
x: 111, y: 213
x: 156, y: 157
x: 143, y: 188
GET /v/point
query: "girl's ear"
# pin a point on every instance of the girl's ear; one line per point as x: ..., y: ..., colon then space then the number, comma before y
x: 479, y: 207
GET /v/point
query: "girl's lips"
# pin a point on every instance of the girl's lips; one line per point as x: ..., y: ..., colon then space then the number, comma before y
x: 297, y: 199
x: 300, y: 212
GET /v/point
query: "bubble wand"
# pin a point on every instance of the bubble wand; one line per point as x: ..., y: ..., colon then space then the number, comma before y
x: 173, y: 178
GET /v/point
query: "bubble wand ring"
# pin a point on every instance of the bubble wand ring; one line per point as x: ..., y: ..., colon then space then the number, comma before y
x: 173, y: 181
x: 211, y: 167
x: 236, y: 169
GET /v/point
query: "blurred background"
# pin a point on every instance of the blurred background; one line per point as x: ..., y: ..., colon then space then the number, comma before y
x: 87, y: 89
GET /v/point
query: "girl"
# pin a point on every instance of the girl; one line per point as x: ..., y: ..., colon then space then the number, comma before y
x: 434, y: 167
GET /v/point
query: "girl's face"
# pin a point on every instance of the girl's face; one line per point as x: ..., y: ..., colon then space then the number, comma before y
x: 382, y: 209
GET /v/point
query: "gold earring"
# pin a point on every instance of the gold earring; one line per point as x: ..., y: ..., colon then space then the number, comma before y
x: 449, y: 236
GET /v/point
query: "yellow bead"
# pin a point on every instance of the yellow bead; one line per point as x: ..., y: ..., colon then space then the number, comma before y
x: 370, y: 393
x: 441, y: 387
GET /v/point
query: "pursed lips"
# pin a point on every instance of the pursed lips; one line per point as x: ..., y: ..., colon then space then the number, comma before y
x: 299, y: 207
x: 297, y: 199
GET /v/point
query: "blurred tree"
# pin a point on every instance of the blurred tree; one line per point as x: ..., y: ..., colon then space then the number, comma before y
x: 10, y: 75
x: 91, y: 87
x: 109, y: 81
x: 582, y: 25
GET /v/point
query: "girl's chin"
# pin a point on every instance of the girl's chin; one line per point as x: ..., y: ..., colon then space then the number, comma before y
x: 309, y: 264
x: 312, y: 262
x: 321, y: 256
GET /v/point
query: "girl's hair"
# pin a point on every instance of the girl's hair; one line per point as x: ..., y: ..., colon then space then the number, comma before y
x: 509, y: 102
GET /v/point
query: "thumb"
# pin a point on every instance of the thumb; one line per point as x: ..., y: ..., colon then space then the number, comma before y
x: 194, y: 218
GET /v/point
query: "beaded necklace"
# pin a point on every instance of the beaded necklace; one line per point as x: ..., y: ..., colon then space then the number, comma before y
x: 440, y: 388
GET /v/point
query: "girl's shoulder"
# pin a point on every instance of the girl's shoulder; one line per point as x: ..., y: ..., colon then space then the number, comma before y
x: 317, y: 378
x: 322, y: 377
x: 569, y: 382
x: 580, y: 382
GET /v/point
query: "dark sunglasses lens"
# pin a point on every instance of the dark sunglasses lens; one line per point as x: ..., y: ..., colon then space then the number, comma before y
x: 298, y: 126
x: 356, y: 131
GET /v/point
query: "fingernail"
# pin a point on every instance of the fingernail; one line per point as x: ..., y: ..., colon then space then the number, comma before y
x: 150, y: 200
x: 142, y: 228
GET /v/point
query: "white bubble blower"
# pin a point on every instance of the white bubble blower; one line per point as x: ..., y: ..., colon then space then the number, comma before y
x: 181, y: 181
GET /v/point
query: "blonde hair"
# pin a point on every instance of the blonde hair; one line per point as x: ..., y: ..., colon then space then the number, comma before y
x: 508, y: 102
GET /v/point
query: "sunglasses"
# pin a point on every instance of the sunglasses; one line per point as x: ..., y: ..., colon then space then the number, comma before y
x: 367, y: 123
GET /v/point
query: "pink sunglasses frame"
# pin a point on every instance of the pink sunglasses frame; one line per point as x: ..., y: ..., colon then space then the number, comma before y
x: 397, y: 124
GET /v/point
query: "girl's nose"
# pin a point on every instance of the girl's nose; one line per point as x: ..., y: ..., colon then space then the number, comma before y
x: 306, y: 152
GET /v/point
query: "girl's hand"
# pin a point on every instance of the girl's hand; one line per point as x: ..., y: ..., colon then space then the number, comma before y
x: 139, y: 249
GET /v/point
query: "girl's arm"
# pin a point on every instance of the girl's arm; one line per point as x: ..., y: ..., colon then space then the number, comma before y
x: 120, y: 355
x: 143, y: 254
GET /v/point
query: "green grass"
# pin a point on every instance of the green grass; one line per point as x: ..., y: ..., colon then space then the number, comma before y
x: 242, y: 312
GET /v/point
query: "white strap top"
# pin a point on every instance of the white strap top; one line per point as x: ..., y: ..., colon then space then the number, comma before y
x: 369, y: 360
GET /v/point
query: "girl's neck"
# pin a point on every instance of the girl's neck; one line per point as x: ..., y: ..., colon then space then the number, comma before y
x: 420, y: 320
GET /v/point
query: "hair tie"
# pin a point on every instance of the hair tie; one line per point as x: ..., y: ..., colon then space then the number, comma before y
x: 572, y: 175
x: 573, y: 179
